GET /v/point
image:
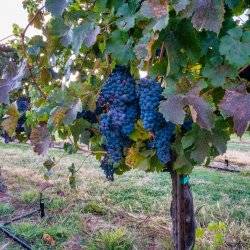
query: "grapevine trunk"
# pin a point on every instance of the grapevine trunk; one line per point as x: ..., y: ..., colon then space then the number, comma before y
x: 182, y: 213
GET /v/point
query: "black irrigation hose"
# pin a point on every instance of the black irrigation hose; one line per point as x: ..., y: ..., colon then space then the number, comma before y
x: 21, y: 217
x: 11, y: 235
x: 20, y: 241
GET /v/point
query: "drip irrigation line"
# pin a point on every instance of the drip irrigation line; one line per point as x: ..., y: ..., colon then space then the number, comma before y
x: 11, y: 235
x: 21, y: 217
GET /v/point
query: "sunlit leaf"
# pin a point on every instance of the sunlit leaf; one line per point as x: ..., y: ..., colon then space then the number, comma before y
x: 11, y: 80
x: 56, y: 7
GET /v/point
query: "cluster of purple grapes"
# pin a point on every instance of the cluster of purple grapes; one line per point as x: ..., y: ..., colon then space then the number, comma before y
x: 119, y: 102
x: 149, y: 93
x: 107, y: 167
x: 88, y: 116
x: 23, y: 104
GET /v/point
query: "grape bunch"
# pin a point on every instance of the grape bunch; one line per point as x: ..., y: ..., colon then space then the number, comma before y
x: 163, y: 139
x: 87, y: 115
x: 118, y: 89
x: 149, y: 93
x: 107, y: 168
x: 23, y: 105
x: 119, y: 104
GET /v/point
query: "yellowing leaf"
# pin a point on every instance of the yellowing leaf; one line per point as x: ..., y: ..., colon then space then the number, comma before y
x: 10, y: 123
x: 41, y: 139
x: 133, y: 158
x: 140, y: 133
x: 57, y: 116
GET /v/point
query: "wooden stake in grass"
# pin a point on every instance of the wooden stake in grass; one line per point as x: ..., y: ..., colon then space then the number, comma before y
x: 182, y: 213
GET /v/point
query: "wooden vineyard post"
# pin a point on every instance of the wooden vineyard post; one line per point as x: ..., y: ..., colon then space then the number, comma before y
x: 182, y: 213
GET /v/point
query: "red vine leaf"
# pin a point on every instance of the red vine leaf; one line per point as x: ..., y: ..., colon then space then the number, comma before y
x: 41, y: 139
x: 206, y: 14
x: 204, y: 113
x: 173, y: 109
x: 154, y: 8
x: 236, y: 103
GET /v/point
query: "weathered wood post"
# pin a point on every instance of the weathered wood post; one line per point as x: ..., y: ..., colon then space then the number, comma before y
x: 182, y: 213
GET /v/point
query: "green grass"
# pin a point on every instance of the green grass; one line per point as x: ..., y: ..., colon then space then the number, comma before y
x: 116, y: 239
x: 29, y: 196
x: 58, y: 227
x: 6, y: 209
x: 94, y: 207
x: 56, y: 203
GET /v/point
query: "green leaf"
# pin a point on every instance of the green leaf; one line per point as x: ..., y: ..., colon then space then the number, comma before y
x: 218, y: 73
x: 126, y: 19
x: 71, y: 113
x: 188, y: 140
x: 57, y: 27
x: 79, y: 130
x: 85, y: 34
x: 235, y: 46
x: 100, y: 5
x: 56, y: 7
x: 139, y: 133
x: 120, y: 46
x: 155, y: 164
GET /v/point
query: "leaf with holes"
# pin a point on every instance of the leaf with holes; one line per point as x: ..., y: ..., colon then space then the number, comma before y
x: 235, y: 104
x: 40, y: 139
